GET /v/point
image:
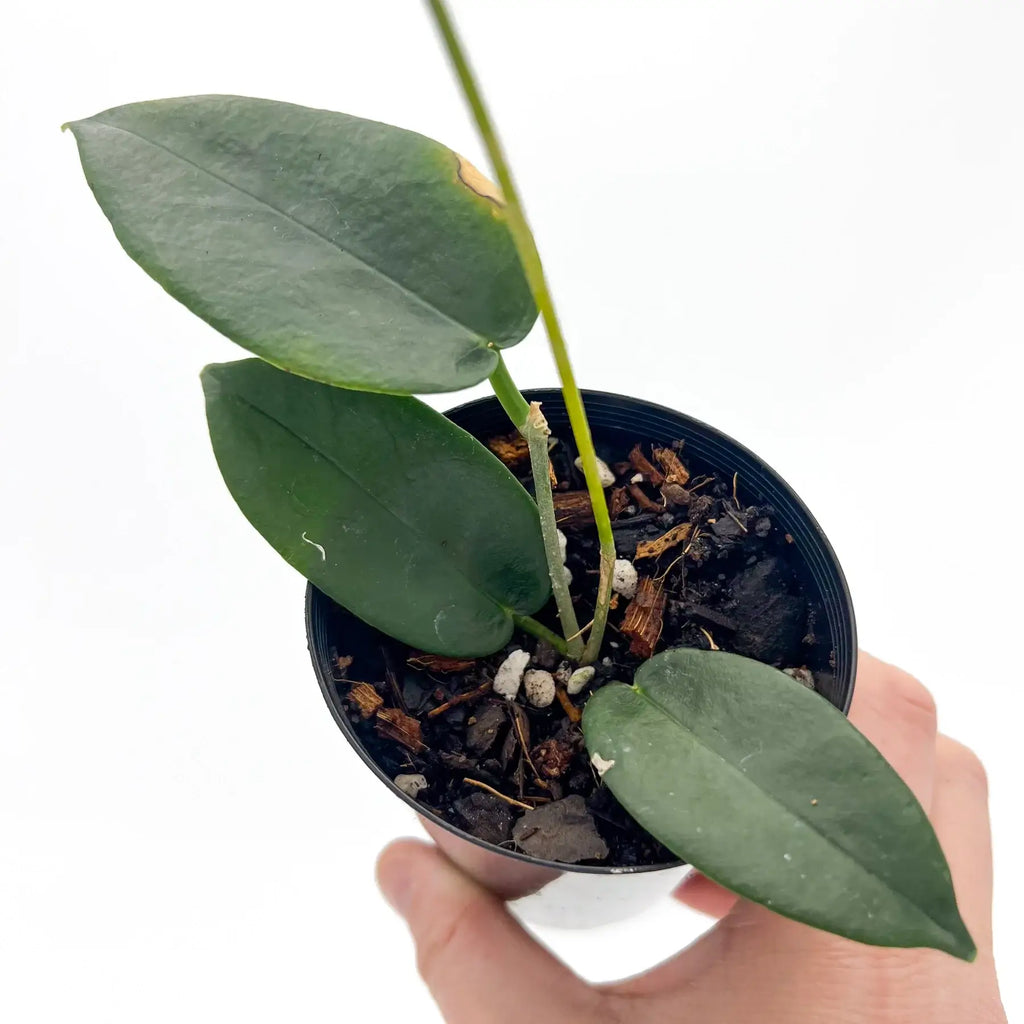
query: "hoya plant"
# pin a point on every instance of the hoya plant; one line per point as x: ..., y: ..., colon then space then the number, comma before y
x: 363, y: 264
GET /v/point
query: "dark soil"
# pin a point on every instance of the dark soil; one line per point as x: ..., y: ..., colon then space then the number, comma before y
x: 737, y: 583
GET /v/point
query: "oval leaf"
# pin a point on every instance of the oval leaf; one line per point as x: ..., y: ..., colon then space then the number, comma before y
x: 344, y: 250
x: 768, y: 789
x: 382, y: 503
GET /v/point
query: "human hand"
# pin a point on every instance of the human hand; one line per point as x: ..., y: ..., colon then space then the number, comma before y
x: 753, y: 965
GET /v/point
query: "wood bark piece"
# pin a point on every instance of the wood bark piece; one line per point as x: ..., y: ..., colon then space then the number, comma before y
x: 675, y: 471
x: 512, y: 449
x: 573, y: 509
x: 640, y: 463
x: 618, y: 501
x: 397, y: 725
x: 365, y: 699
x: 644, y: 618
x: 643, y: 501
x: 658, y: 546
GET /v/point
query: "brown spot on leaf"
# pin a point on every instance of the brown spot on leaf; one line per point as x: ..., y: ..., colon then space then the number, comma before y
x: 478, y: 183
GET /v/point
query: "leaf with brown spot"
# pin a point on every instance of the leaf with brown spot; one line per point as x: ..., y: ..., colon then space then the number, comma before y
x: 343, y: 250
x: 397, y: 725
x: 471, y: 177
x: 658, y: 546
x: 675, y: 471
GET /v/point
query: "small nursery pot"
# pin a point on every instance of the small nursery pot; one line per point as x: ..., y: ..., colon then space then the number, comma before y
x: 572, y: 895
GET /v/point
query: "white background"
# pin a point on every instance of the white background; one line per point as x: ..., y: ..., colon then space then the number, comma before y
x: 802, y: 222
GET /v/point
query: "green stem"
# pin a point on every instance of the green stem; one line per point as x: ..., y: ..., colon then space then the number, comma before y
x: 534, y: 428
x: 509, y: 395
x: 534, y: 270
x: 539, y: 630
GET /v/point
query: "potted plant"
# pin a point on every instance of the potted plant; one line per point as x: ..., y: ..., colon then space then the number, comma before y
x: 594, y: 702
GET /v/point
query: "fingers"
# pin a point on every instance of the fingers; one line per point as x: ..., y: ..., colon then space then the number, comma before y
x: 897, y: 714
x: 701, y: 894
x: 960, y: 817
x: 480, y: 966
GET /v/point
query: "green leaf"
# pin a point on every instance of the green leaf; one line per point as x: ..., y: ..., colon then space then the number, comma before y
x: 341, y: 249
x: 382, y: 503
x: 766, y: 788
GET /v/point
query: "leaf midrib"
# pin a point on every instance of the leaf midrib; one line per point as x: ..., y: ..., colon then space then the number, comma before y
x: 644, y: 695
x: 376, y: 271
x: 443, y: 554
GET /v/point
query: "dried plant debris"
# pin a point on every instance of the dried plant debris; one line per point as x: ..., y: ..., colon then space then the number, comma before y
x: 553, y: 756
x: 397, y: 725
x: 641, y: 465
x: 573, y: 510
x: 439, y: 663
x: 364, y: 697
x: 675, y: 472
x: 643, y: 501
x: 644, y: 618
x: 618, y: 502
x: 561, y: 831
x: 658, y: 546
x: 512, y: 449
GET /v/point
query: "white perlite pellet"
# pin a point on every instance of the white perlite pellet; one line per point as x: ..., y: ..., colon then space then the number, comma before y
x: 604, y: 474
x: 540, y: 687
x: 580, y: 680
x: 563, y: 543
x: 411, y: 785
x: 510, y: 674
x: 624, y: 578
x: 567, y: 573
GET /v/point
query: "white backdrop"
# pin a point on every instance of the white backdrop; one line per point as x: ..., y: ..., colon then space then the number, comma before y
x: 801, y: 222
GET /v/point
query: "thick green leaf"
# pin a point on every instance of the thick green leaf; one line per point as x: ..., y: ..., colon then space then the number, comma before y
x: 344, y: 250
x: 768, y: 789
x: 381, y: 502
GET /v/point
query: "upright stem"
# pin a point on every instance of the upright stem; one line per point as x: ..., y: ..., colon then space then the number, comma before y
x: 534, y: 428
x: 534, y: 270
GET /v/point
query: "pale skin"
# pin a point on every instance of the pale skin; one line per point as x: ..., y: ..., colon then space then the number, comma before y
x: 752, y: 965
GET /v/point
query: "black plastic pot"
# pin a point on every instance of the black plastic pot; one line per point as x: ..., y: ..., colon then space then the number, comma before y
x: 570, y: 895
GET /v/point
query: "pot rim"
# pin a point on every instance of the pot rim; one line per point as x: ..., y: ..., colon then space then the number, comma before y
x: 325, y: 677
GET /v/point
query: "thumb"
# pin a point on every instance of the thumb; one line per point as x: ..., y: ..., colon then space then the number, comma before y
x: 479, y: 964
